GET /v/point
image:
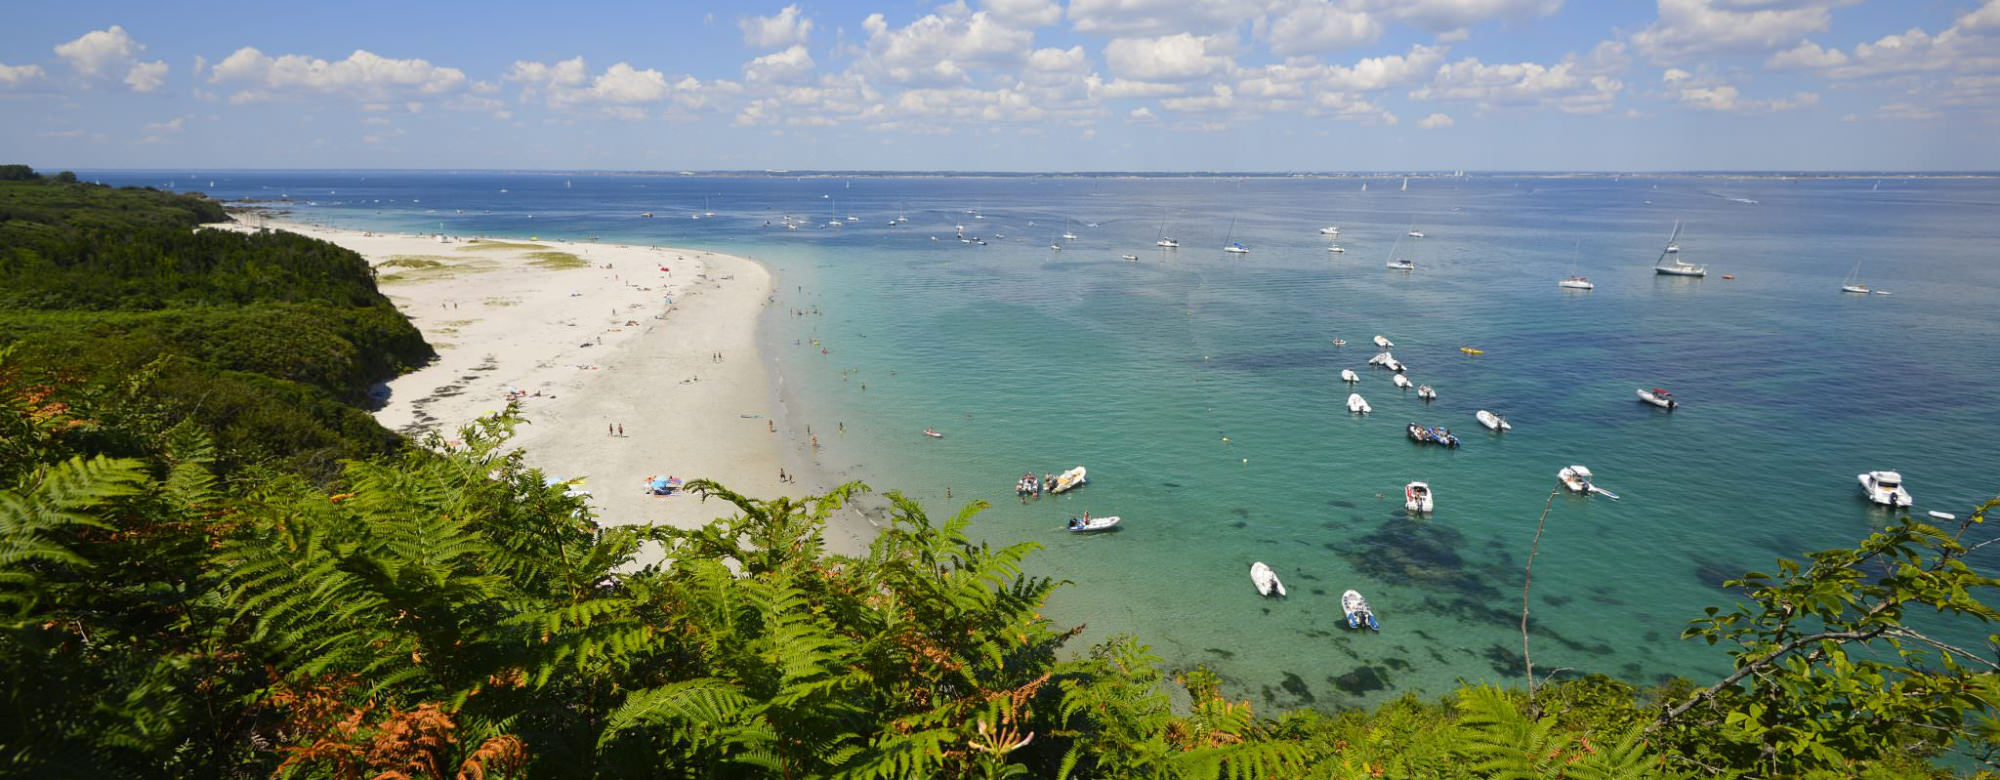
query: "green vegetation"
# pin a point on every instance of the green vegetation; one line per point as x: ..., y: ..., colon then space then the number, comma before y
x: 179, y: 601
x: 557, y: 261
x: 269, y: 341
x: 483, y: 244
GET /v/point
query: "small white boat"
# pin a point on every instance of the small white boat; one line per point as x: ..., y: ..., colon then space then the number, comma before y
x: 1357, y: 404
x: 1339, y: 342
x: 1659, y: 398
x: 1883, y: 292
x: 1069, y: 236
x: 1577, y: 479
x: 1402, y: 265
x: 1357, y: 611
x: 1347, y: 375
x: 1576, y: 283
x: 933, y: 433
x: 1401, y: 381
x: 1383, y: 341
x: 1070, y: 480
x: 1237, y: 249
x: 1133, y: 258
x: 1231, y: 246
x: 1417, y: 498
x: 1885, y: 488
x: 1336, y: 249
x: 1167, y: 243
x: 1329, y: 231
x: 1087, y: 524
x: 1415, y: 233
x: 1425, y: 392
x: 1493, y: 422
x: 1942, y: 515
x: 1267, y: 581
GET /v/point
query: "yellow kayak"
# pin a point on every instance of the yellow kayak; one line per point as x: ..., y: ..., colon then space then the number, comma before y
x: 1471, y: 351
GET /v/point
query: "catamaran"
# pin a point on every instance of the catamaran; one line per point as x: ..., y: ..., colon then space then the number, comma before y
x: 1670, y: 262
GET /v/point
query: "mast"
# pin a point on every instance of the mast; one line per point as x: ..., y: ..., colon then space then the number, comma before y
x: 1669, y: 250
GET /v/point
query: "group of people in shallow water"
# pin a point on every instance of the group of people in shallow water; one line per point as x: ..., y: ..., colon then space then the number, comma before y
x: 1029, y: 486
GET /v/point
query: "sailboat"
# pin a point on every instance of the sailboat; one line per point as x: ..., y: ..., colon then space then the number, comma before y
x: 1067, y: 234
x: 1234, y: 247
x: 1165, y: 242
x: 1852, y: 284
x: 1400, y: 264
x: 1406, y: 184
x: 1670, y: 262
x: 1575, y: 281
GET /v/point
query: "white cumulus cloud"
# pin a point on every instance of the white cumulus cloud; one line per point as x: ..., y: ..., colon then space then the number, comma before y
x: 1026, y: 13
x: 788, y: 65
x: 1179, y: 57
x: 938, y: 48
x: 146, y: 76
x: 1690, y: 27
x: 364, y: 75
x: 789, y: 27
x: 1319, y: 25
x: 16, y: 75
x: 1435, y: 121
x: 100, y: 52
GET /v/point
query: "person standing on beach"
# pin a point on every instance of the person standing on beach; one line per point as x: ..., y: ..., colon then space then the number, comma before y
x: 610, y: 429
x: 621, y: 430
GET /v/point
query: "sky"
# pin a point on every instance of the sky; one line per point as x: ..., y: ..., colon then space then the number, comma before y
x: 1006, y: 85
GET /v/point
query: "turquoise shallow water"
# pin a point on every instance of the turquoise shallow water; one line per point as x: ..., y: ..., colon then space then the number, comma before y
x: 1202, y: 389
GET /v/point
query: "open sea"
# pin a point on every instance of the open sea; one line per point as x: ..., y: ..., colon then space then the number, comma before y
x: 1202, y: 389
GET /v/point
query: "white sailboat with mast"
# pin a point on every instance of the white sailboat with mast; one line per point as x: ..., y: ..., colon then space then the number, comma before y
x: 1670, y: 262
x: 1233, y: 247
x: 1852, y: 284
x: 1575, y: 280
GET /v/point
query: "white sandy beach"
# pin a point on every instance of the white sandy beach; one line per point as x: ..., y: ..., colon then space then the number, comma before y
x: 657, y: 340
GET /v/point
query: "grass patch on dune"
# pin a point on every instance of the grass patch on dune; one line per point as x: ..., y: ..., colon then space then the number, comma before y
x: 414, y: 261
x: 503, y: 301
x: 557, y: 260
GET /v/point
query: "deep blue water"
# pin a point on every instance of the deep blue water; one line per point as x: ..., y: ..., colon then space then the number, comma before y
x: 1202, y: 391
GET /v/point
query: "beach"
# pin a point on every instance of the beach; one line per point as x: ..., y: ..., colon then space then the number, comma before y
x: 629, y: 362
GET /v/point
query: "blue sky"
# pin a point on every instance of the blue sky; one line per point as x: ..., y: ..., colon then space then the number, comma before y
x: 1275, y: 85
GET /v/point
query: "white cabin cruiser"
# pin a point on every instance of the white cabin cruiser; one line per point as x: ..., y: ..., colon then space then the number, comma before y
x: 1885, y: 488
x: 1417, y: 497
x: 1357, y: 404
x: 1267, y: 581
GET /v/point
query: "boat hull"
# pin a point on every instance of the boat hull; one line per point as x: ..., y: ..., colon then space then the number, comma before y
x: 1267, y: 581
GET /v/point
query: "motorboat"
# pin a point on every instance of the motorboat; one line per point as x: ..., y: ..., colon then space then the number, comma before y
x: 1436, y: 434
x: 1347, y: 375
x: 1388, y: 361
x: 1069, y: 480
x: 1329, y: 231
x: 1087, y: 524
x: 1167, y: 243
x: 1339, y: 342
x: 1425, y: 391
x: 1493, y: 422
x: 1133, y: 258
x: 1402, y: 265
x: 1401, y: 381
x: 1659, y: 398
x: 1357, y: 404
x: 1417, y: 498
x: 933, y: 434
x: 1357, y: 611
x: 1027, y: 485
x: 1415, y: 233
x: 1336, y: 249
x: 1267, y: 581
x: 1383, y: 341
x: 1577, y: 479
x: 1885, y: 488
x: 1670, y: 262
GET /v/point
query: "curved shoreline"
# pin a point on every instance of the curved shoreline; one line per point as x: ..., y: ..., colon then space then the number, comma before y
x: 628, y: 362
